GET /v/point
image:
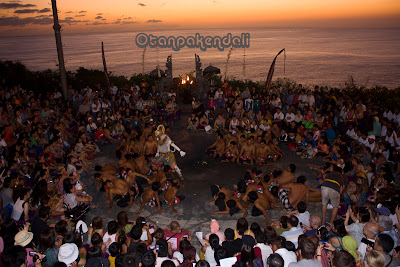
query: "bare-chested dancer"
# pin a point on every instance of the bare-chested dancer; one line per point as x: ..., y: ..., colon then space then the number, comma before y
x: 297, y: 192
x: 247, y: 152
x: 230, y: 205
x: 131, y: 176
x: 260, y: 204
x: 231, y: 153
x: 150, y: 147
x: 290, y: 194
x: 287, y: 176
x: 217, y: 149
x: 150, y: 197
x: 315, y: 194
x: 171, y: 197
x: 263, y: 154
x: 118, y: 187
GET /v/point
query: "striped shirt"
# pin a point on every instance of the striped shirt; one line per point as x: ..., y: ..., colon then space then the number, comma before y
x: 293, y: 235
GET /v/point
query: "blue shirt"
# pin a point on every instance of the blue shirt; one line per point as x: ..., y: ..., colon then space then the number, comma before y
x: 293, y: 235
x: 330, y: 134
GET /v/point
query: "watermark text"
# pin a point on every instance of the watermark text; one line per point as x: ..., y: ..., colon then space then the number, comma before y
x: 143, y: 40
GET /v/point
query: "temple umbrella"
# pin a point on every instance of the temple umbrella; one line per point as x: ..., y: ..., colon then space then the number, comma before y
x: 210, y: 70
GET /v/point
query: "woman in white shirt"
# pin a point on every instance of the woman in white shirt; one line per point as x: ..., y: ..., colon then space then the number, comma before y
x: 209, y: 249
x: 21, y: 206
x: 71, y: 199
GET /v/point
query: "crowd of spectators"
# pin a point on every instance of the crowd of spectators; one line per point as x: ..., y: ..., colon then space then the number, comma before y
x: 47, y: 145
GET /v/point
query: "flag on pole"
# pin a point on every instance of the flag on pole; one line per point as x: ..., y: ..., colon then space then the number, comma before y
x: 271, y: 71
x: 105, y: 65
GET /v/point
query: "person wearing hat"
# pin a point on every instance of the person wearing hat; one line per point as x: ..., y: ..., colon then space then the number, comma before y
x: 24, y: 239
x: 350, y: 245
x: 68, y: 254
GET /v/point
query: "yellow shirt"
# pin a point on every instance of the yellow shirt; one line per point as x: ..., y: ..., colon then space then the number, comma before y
x: 112, y: 261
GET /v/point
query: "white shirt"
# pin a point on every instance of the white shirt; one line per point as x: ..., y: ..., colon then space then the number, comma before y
x: 384, y: 130
x: 18, y: 209
x: 396, y: 118
x: 96, y: 107
x: 388, y: 115
x: 105, y: 105
x: 302, y: 98
x: 217, y: 94
x: 107, y: 236
x: 362, y: 247
x: 288, y: 256
x: 209, y: 257
x: 394, y: 219
x: 310, y: 100
x: 351, y: 133
x: 91, y: 127
x: 371, y: 146
x: 392, y: 139
x: 57, y: 95
x: 289, y: 117
x: 279, y: 116
x: 264, y: 127
x: 143, y: 237
x: 265, y: 252
x: 70, y: 200
x: 3, y: 143
x: 114, y: 90
x: 304, y: 218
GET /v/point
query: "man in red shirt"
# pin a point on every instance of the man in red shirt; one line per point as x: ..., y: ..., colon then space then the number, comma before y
x: 174, y: 234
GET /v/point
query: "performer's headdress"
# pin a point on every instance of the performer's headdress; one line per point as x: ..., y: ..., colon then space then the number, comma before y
x: 160, y: 130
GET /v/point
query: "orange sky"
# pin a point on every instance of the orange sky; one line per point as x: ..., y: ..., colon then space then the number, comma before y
x: 34, y: 16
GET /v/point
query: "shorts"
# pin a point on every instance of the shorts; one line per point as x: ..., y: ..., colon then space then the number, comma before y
x: 329, y: 194
x: 262, y: 160
x: 256, y: 212
x: 178, y: 199
x: 243, y: 159
x: 227, y: 156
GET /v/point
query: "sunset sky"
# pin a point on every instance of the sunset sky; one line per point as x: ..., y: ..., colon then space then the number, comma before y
x: 34, y: 16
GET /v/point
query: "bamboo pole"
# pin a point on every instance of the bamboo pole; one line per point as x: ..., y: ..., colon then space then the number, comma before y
x: 61, y: 66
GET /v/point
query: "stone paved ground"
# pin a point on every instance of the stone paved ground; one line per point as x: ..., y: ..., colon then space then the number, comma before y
x: 194, y: 211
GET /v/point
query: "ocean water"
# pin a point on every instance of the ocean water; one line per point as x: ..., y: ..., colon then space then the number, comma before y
x: 313, y: 56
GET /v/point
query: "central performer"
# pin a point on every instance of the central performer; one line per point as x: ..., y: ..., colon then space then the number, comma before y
x: 164, y: 153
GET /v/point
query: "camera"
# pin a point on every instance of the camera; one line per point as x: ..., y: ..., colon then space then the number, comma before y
x: 34, y: 256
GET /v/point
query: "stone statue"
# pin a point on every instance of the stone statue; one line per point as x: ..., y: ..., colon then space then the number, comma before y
x: 169, y: 82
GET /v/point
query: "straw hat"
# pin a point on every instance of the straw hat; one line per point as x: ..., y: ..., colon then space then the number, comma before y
x: 68, y: 253
x: 23, y: 238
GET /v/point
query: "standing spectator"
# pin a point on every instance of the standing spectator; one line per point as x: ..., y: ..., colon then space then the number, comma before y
x: 278, y: 247
x: 384, y: 244
x: 306, y: 255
